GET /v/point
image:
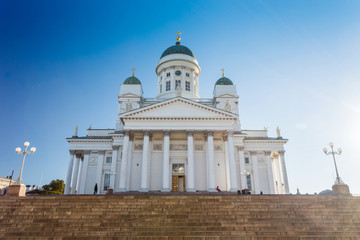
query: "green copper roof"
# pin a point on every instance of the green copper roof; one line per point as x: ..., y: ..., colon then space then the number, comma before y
x: 132, y: 80
x: 224, y: 81
x: 178, y: 48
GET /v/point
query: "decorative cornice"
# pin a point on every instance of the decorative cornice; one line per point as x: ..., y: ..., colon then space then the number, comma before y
x: 265, y: 141
x: 89, y: 140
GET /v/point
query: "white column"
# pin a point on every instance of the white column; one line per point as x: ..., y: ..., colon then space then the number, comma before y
x: 242, y: 167
x: 165, y: 172
x: 69, y: 172
x: 233, y: 179
x: 284, y: 173
x: 99, y: 170
x: 128, y: 173
x: 278, y: 174
x: 190, y: 185
x: 255, y: 171
x: 144, y: 185
x: 113, y: 166
x: 270, y: 172
x: 76, y: 173
x: 210, y: 162
x: 227, y: 163
x: 124, y: 162
x: 84, y: 169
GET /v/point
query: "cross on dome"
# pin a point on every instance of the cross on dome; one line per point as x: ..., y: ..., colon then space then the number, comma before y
x: 178, y: 36
x: 133, y: 69
x: 223, y: 72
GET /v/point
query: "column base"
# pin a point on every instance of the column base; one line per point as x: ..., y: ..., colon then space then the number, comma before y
x: 17, y: 190
x: 165, y: 190
x: 122, y: 190
x: 143, y: 190
x: 233, y: 189
x: 212, y: 190
x: 191, y: 190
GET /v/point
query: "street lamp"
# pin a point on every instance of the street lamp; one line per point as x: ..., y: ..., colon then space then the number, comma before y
x: 338, y: 180
x: 18, y: 151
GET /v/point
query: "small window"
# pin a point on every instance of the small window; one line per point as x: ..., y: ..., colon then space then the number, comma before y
x: 248, y: 181
x: 160, y: 88
x: 188, y: 74
x: 168, y: 86
x: 106, y: 181
x: 177, y: 83
x: 109, y: 160
x: 167, y: 74
x: 187, y: 86
x: 178, y: 168
x: 247, y: 160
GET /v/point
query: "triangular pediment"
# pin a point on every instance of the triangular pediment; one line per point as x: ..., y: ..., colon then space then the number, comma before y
x: 129, y: 95
x: 227, y: 96
x: 178, y: 108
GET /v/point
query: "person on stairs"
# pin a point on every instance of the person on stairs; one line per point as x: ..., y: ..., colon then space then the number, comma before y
x: 95, y: 189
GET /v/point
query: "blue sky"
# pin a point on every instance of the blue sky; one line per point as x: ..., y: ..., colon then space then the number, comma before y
x: 295, y: 64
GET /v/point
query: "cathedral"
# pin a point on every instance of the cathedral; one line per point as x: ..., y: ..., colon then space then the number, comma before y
x: 177, y: 141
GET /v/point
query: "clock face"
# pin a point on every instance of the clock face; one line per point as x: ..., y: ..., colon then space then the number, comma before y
x: 178, y: 73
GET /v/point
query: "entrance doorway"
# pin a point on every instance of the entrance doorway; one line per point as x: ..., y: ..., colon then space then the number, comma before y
x: 178, y: 177
x: 178, y: 183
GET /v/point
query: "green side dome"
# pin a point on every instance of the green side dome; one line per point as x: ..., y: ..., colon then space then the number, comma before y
x: 132, y: 80
x: 178, y: 49
x: 224, y: 81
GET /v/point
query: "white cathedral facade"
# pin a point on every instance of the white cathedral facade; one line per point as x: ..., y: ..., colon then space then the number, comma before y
x: 177, y: 141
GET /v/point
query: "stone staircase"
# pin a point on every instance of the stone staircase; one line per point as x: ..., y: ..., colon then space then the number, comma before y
x: 179, y: 216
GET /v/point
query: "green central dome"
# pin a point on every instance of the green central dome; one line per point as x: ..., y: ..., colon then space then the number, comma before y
x: 132, y: 80
x: 224, y: 81
x: 178, y: 49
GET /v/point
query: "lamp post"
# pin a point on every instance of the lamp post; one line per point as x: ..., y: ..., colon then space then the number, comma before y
x: 332, y: 152
x: 18, y: 151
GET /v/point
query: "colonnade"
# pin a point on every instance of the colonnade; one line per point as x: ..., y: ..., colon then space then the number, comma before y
x: 279, y: 177
x: 75, y: 182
